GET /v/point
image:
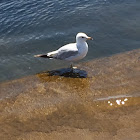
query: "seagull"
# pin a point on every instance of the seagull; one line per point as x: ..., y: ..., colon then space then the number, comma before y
x: 71, y: 52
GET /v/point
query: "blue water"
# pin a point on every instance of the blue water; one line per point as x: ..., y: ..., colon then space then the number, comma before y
x: 39, y: 26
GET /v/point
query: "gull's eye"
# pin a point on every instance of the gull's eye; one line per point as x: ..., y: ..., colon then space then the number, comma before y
x: 82, y: 37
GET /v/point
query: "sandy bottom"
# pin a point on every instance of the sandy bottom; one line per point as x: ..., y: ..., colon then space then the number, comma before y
x: 104, y: 105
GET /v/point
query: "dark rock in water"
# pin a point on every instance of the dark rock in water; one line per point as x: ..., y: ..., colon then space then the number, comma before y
x: 68, y: 72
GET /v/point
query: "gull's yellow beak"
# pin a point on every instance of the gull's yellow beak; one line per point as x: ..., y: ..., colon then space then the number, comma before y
x: 89, y: 38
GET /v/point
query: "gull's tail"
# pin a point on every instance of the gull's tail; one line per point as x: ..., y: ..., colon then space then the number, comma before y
x: 42, y: 55
x: 49, y: 55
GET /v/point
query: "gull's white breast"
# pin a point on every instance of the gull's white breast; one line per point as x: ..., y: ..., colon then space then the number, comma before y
x: 82, y: 52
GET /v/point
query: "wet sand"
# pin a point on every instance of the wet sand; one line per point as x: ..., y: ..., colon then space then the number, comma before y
x: 104, y: 105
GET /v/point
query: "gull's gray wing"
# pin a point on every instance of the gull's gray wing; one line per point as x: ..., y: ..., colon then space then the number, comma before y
x: 64, y: 54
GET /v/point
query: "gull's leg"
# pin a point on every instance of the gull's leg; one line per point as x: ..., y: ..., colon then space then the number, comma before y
x: 71, y: 66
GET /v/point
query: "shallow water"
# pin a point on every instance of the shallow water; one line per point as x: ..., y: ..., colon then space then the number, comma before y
x: 104, y: 105
x: 36, y: 26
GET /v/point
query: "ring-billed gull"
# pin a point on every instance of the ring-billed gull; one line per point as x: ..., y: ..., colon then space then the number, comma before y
x: 70, y: 52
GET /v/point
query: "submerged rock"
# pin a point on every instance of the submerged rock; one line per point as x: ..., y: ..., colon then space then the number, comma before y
x: 104, y: 103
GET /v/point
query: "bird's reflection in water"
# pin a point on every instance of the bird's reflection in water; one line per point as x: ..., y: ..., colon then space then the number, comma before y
x: 68, y: 72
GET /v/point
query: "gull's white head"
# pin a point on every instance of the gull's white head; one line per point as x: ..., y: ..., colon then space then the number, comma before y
x: 82, y: 37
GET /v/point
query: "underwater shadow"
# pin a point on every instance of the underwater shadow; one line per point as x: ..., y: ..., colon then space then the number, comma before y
x: 66, y: 80
x: 67, y: 72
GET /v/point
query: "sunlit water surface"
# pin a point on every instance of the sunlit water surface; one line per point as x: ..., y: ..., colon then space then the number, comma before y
x: 38, y: 26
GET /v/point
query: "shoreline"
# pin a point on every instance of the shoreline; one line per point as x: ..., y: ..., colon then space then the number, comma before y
x: 80, y: 65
